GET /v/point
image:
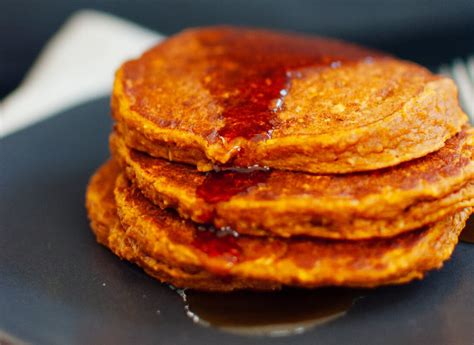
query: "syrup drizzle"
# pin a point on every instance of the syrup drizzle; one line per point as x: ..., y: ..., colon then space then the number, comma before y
x: 467, y: 235
x: 217, y: 243
x: 250, y: 74
x: 281, y: 313
x: 251, y: 71
x: 223, y: 185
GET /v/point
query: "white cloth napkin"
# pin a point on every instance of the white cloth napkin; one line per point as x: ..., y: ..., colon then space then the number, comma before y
x: 76, y: 65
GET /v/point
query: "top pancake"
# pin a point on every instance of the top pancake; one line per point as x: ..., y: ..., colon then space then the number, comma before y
x: 248, y: 97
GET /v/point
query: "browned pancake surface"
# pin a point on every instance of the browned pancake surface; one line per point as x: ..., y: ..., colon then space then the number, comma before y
x: 243, y: 96
x: 106, y: 226
x: 355, y: 206
x: 152, y: 234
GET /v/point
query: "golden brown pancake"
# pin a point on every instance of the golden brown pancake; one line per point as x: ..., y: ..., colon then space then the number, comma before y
x: 245, y: 97
x: 176, y: 250
x: 102, y: 212
x: 382, y: 203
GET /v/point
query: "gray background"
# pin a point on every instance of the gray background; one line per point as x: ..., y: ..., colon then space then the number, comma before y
x: 427, y: 31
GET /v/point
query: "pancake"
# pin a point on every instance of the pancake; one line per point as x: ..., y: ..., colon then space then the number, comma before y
x: 168, y: 246
x: 246, y: 97
x: 101, y: 207
x: 383, y: 203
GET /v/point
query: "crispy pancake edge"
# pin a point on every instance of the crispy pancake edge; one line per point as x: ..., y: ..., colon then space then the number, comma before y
x: 105, y: 224
x: 375, y: 215
x: 110, y: 233
x: 298, y: 262
x: 128, y: 244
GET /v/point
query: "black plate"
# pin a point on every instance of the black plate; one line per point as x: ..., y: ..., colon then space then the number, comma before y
x: 57, y: 286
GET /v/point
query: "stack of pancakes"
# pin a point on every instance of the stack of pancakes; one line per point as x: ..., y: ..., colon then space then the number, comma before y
x: 246, y: 158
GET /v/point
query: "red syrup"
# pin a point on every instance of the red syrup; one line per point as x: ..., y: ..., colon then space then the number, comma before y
x: 217, y: 243
x: 220, y: 186
x: 250, y: 73
x: 223, y: 185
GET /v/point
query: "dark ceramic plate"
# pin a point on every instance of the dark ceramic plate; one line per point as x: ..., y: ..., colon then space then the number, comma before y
x: 57, y: 286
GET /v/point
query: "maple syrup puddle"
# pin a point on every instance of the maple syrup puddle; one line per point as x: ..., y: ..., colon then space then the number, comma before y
x: 280, y: 313
x: 467, y: 235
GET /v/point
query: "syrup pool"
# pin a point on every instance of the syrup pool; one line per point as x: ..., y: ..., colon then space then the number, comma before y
x: 467, y: 235
x: 278, y: 313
